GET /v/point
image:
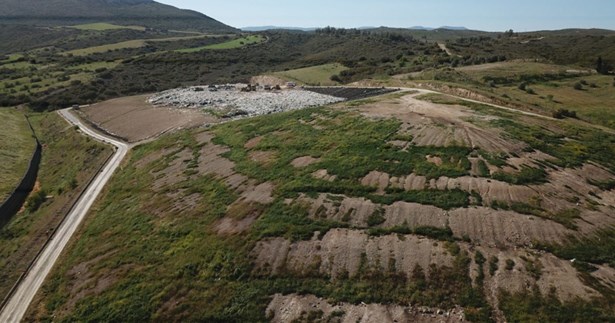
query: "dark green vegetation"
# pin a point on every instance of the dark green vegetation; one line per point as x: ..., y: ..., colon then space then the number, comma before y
x: 554, y: 46
x: 68, y: 162
x: 598, y: 249
x: 146, y: 13
x: 532, y: 306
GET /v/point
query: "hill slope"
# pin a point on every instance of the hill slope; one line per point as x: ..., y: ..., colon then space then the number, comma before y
x: 142, y: 12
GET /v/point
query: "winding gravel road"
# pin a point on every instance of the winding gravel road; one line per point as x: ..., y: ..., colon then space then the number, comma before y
x: 22, y: 296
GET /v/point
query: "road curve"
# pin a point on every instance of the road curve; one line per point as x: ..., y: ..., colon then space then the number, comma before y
x: 22, y: 296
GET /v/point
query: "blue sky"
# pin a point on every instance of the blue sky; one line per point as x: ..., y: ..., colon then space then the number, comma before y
x: 491, y: 15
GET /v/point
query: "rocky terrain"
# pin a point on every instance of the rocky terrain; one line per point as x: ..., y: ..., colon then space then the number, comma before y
x: 231, y: 102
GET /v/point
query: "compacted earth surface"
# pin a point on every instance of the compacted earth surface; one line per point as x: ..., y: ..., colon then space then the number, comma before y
x: 411, y: 206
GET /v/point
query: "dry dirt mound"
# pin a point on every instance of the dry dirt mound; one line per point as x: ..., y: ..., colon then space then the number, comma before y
x: 291, y: 308
x: 490, y: 190
x: 494, y: 228
x: 483, y: 226
x: 343, y: 252
x: 543, y: 269
x: 353, y: 211
x: 133, y: 119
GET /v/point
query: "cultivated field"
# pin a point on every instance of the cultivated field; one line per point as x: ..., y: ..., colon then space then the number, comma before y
x: 410, y: 205
x: 16, y: 149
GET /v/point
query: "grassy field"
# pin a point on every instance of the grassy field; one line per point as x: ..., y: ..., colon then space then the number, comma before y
x: 315, y: 75
x: 135, y: 43
x: 231, y: 44
x: 103, y: 48
x: 69, y: 161
x: 16, y: 148
x: 102, y: 26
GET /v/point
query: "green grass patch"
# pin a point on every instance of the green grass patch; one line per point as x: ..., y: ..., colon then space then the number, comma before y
x: 231, y: 44
x: 16, y: 149
x: 102, y: 26
x: 135, y: 43
x: 314, y: 75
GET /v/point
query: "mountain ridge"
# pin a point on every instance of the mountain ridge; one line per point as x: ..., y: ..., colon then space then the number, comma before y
x: 148, y: 13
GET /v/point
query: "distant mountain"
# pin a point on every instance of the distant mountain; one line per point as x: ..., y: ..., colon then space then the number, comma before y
x: 265, y: 28
x: 443, y: 27
x: 146, y: 13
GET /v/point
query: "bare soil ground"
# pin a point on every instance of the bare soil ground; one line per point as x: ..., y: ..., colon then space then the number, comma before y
x: 324, y: 174
x: 295, y: 307
x: 434, y: 124
x: 134, y: 119
x: 304, y: 161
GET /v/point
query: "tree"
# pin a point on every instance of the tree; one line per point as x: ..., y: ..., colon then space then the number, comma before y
x: 602, y: 67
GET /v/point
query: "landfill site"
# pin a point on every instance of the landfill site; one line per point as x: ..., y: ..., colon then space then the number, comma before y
x: 142, y: 117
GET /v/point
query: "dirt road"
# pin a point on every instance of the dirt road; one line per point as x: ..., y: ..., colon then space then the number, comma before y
x: 22, y: 296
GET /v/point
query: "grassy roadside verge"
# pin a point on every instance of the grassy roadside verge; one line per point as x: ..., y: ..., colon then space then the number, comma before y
x: 16, y: 148
x: 69, y: 161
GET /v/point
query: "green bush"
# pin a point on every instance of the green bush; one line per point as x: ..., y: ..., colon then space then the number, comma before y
x: 36, y: 200
x: 527, y: 176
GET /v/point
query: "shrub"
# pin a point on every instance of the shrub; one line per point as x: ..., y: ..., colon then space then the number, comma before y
x: 510, y: 264
x: 376, y: 218
x: 493, y: 265
x: 564, y: 113
x: 578, y: 86
x: 36, y: 200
